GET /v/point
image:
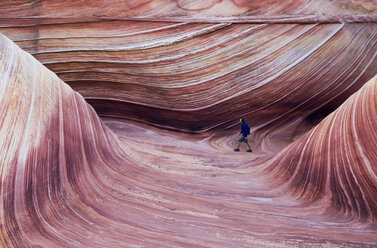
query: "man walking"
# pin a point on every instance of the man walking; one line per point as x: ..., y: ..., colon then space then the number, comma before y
x: 245, y: 130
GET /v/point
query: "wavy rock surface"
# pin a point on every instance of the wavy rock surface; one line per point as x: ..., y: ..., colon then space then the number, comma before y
x: 170, y: 79
x: 68, y: 181
x: 188, y: 67
x: 182, y: 8
x: 336, y: 161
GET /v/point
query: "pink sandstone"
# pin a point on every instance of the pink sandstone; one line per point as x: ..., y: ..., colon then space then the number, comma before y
x: 149, y: 163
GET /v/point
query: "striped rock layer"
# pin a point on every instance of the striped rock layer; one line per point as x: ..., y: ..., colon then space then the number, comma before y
x: 184, y: 8
x: 67, y: 180
x: 170, y: 80
x: 197, y: 66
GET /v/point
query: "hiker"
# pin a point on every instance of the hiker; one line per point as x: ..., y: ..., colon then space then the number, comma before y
x: 245, y: 130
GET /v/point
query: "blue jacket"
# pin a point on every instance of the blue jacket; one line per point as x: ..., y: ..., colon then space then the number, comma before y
x: 244, y: 129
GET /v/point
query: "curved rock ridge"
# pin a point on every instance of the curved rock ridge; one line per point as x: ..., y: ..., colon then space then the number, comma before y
x: 196, y: 66
x: 336, y: 162
x: 198, y: 77
x: 67, y: 180
x: 50, y: 140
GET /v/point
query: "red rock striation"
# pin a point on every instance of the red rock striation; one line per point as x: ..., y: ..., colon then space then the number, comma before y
x: 183, y: 8
x: 187, y: 66
x: 336, y: 162
x: 67, y: 180
x: 200, y: 77
x: 171, y: 79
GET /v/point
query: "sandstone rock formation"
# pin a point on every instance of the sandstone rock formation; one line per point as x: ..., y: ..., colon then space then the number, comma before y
x: 285, y: 66
x: 170, y: 80
x: 336, y: 161
x: 68, y: 181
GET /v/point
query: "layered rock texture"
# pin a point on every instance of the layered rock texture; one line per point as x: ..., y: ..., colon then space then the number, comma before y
x: 188, y: 66
x: 118, y: 123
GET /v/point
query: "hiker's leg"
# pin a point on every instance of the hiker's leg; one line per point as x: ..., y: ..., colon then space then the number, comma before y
x: 247, y: 143
x: 240, y: 140
x: 238, y: 145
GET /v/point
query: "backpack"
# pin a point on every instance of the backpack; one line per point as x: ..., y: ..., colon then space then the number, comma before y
x: 248, y: 129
